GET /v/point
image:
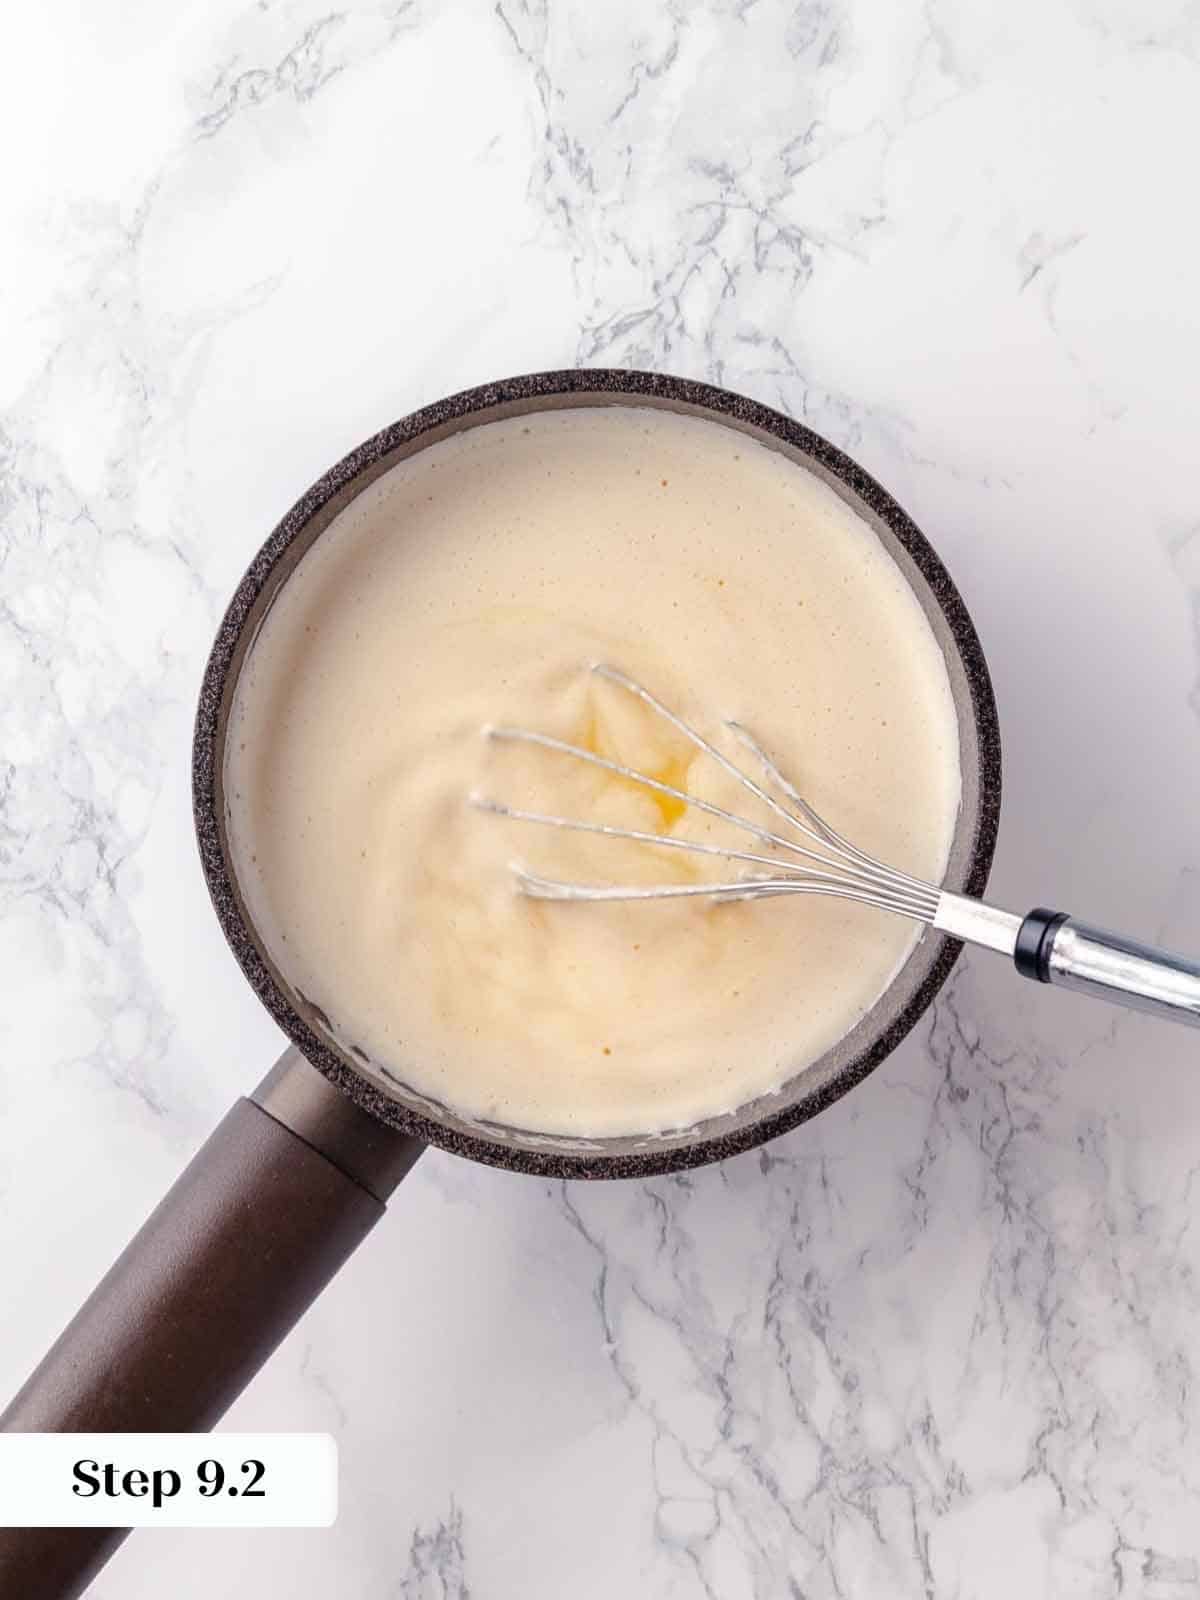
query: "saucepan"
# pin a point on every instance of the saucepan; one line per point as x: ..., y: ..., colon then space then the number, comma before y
x: 300, y: 1171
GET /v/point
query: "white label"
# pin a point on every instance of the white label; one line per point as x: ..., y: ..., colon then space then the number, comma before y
x: 168, y: 1480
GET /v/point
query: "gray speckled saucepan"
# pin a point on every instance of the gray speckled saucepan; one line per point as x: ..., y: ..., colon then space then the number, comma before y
x: 298, y: 1173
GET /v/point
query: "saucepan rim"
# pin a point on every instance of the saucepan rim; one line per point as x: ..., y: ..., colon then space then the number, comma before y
x: 400, y: 1106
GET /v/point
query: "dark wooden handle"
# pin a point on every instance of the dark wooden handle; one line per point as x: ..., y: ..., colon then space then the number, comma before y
x: 242, y: 1244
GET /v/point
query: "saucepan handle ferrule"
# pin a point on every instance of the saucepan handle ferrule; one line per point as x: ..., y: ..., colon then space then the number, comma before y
x: 250, y: 1234
x: 1053, y: 948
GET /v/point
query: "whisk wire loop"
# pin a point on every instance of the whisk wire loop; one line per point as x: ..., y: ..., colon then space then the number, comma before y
x: 836, y: 868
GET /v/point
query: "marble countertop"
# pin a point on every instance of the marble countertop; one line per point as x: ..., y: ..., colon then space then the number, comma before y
x: 944, y: 1340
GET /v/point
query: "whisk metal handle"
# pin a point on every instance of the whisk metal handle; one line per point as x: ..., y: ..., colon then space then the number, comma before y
x: 1052, y: 947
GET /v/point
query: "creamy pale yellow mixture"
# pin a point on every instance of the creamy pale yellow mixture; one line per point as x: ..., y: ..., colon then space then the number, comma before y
x: 472, y: 585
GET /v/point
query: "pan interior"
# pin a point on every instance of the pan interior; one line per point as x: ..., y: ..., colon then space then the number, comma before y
x: 853, y: 1053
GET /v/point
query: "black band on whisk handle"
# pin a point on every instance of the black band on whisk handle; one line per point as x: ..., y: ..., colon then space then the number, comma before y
x: 1053, y: 948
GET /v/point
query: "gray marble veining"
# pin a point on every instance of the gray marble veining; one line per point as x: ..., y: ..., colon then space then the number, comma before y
x: 941, y: 1342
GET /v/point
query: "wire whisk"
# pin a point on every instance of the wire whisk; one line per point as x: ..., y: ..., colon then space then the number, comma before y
x: 814, y: 858
x: 809, y: 856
